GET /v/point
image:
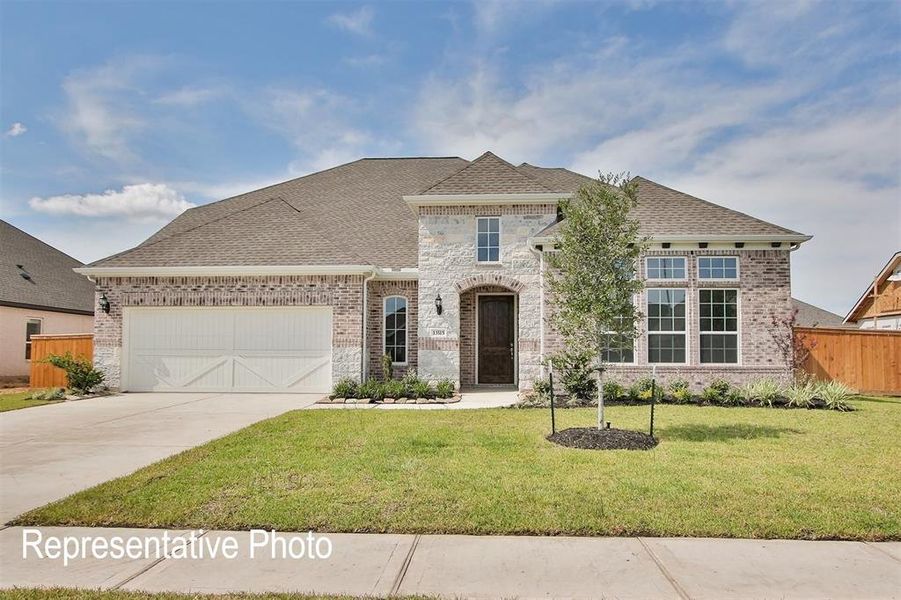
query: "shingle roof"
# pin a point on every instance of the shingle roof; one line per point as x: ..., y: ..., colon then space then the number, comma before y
x: 809, y: 315
x: 663, y: 211
x: 351, y: 214
x: 355, y: 214
x: 52, y: 284
x: 488, y: 174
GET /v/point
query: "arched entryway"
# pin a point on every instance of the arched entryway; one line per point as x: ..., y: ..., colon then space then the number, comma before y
x: 489, y: 330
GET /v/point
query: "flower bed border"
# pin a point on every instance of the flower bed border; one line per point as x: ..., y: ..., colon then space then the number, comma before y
x: 329, y: 400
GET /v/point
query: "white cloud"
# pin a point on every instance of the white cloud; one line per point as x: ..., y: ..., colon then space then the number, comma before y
x: 319, y: 123
x: 357, y: 21
x: 102, y: 109
x: 139, y: 202
x: 189, y: 96
x: 804, y: 139
x: 16, y: 129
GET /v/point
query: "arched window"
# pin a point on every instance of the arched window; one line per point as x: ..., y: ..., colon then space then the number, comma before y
x: 395, y: 327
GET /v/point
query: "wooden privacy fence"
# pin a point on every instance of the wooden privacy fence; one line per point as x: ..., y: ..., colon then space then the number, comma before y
x: 866, y: 360
x: 43, y: 375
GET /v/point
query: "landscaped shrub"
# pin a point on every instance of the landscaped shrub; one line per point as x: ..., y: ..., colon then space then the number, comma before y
x: 444, y: 388
x: 420, y: 389
x: 642, y: 389
x: 576, y: 374
x: 81, y: 376
x: 800, y: 394
x: 717, y: 392
x: 542, y: 388
x: 410, y: 380
x: 371, y: 388
x: 613, y: 390
x: 679, y: 391
x: 48, y: 394
x: 345, y: 388
x: 764, y: 391
x: 395, y: 388
x: 387, y: 367
x: 836, y: 395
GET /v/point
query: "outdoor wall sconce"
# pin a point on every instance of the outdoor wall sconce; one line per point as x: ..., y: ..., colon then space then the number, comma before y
x: 104, y: 303
x: 438, y: 306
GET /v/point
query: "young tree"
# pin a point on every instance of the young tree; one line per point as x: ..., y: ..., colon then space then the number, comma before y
x: 592, y: 272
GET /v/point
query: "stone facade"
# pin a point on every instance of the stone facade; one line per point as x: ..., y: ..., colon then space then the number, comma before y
x: 448, y: 266
x: 375, y: 320
x: 764, y: 286
x: 344, y: 293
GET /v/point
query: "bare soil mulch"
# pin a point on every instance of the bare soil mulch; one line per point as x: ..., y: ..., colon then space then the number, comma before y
x: 591, y: 438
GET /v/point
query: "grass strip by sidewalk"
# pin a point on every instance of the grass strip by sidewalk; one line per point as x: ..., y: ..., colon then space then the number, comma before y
x: 718, y: 472
x: 17, y: 400
x: 73, y: 594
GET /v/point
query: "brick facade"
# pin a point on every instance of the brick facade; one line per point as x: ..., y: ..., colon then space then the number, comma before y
x: 378, y: 291
x: 764, y: 286
x: 344, y: 293
x: 447, y: 266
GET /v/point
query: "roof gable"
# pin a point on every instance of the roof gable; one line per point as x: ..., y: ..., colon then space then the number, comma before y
x: 52, y: 283
x: 488, y: 174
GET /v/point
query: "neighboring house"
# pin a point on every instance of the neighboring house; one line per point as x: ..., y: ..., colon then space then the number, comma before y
x: 39, y: 293
x: 437, y: 262
x: 880, y: 305
x: 808, y: 315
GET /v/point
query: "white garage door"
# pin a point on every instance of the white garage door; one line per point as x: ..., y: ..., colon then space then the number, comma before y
x: 227, y: 349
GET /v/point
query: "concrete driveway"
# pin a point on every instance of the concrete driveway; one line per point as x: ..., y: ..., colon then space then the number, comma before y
x: 49, y: 452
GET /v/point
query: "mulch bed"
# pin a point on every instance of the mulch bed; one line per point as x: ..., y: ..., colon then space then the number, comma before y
x: 591, y: 438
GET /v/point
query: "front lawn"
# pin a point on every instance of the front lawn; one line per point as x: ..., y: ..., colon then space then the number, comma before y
x: 724, y: 472
x: 79, y: 594
x: 17, y: 400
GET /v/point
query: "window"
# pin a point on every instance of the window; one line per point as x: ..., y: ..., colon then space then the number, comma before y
x: 666, y: 326
x: 396, y: 329
x: 618, y: 349
x: 32, y: 327
x: 665, y: 267
x: 718, y: 312
x: 488, y: 239
x: 717, y: 267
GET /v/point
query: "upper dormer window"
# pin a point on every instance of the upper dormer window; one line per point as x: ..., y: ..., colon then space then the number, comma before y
x: 488, y: 239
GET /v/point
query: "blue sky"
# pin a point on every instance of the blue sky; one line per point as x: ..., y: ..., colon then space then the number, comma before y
x: 118, y: 115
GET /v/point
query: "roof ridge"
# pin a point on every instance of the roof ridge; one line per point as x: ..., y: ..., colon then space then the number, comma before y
x: 406, y: 158
x: 190, y: 229
x: 475, y: 161
x: 709, y: 203
x: 42, y: 242
x: 265, y: 187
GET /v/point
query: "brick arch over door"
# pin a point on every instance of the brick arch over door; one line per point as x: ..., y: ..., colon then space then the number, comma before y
x: 495, y: 279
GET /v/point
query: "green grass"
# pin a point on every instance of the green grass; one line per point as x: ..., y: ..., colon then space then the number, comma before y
x: 73, y: 594
x: 18, y: 400
x: 723, y: 472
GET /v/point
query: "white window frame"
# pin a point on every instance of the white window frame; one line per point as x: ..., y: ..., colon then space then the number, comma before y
x: 736, y: 333
x: 28, y: 345
x: 406, y: 328
x: 499, y: 235
x: 634, y: 360
x: 737, y: 268
x: 686, y: 331
x: 684, y: 258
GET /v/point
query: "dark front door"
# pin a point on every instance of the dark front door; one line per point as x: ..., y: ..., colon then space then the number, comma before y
x: 496, y: 338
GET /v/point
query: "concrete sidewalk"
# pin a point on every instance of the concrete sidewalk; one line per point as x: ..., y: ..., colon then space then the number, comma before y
x: 489, y: 567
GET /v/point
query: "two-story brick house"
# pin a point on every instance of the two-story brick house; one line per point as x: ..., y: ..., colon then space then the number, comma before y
x: 437, y: 262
